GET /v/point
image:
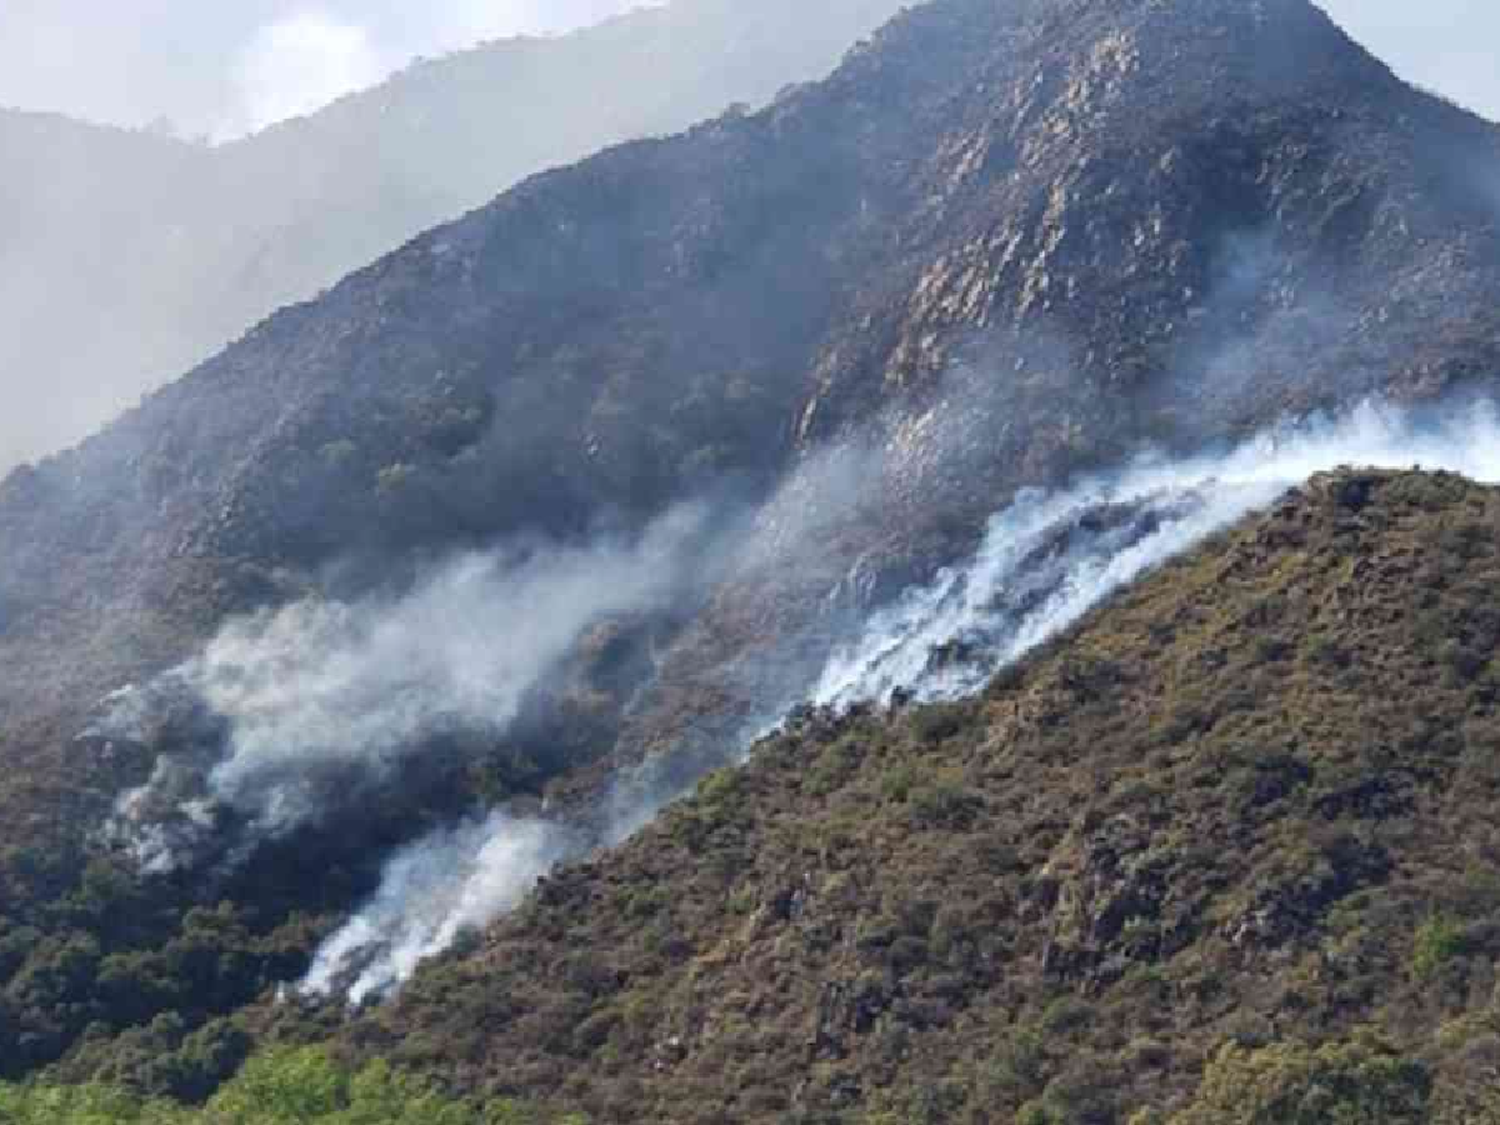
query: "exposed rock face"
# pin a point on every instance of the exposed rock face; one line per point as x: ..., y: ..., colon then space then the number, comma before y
x: 1114, y: 220
x: 1228, y: 206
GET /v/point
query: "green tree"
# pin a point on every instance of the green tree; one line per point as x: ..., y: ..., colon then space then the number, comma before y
x: 1291, y: 1084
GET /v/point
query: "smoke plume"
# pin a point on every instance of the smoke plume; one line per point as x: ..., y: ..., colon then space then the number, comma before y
x: 432, y: 891
x: 455, y: 880
x: 1047, y: 559
x: 295, y: 714
x: 1050, y: 557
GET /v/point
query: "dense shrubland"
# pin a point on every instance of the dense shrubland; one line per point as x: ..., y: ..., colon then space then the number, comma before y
x: 1206, y: 833
x: 294, y: 1086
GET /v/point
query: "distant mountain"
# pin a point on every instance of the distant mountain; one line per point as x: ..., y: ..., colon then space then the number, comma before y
x: 768, y: 374
x: 126, y: 258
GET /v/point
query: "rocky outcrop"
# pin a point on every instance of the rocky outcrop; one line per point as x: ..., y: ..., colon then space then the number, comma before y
x: 1003, y: 242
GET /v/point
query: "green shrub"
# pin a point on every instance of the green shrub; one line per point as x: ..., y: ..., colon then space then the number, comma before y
x: 939, y: 722
x: 945, y: 804
x: 302, y: 1086
x: 1438, y: 941
x: 1290, y: 1084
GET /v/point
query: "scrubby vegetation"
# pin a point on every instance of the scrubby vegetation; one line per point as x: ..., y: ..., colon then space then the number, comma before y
x: 1200, y: 861
x: 1234, y: 834
x: 284, y: 1087
x: 1203, y: 858
x: 1289, y: 1084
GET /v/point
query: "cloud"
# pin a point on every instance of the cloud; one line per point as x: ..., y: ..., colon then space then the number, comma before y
x: 223, y: 69
x: 132, y: 63
x: 298, y: 64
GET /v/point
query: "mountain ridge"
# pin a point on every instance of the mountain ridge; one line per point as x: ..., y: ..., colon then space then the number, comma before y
x: 177, y: 249
x: 991, y: 281
x: 1193, y: 818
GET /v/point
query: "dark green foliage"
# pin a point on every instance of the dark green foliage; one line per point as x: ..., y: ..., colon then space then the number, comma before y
x: 1438, y: 941
x: 282, y: 1087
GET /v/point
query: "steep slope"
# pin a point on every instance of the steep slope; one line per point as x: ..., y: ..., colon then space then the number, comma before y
x: 168, y: 250
x: 615, y: 333
x: 1210, y: 813
x: 1002, y: 243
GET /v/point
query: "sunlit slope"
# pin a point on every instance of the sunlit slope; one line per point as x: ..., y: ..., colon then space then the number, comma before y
x: 1249, y: 800
x: 1004, y: 246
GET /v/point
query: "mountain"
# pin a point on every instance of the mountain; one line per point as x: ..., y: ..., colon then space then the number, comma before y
x: 1197, y: 860
x: 168, y: 250
x: 502, y: 542
x: 1208, y: 815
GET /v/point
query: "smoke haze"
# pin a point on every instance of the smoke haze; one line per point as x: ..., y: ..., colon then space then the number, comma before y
x: 129, y: 258
x: 225, y: 70
x: 1048, y: 559
x: 222, y: 70
x: 296, y: 714
x: 432, y: 891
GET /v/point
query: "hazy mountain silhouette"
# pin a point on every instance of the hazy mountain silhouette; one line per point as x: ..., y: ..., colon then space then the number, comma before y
x: 126, y: 258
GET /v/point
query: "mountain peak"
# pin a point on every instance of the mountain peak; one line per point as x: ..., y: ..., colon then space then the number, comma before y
x: 1005, y: 247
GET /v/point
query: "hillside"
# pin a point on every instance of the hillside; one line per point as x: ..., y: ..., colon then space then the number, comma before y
x: 533, y: 521
x: 1277, y: 232
x: 1210, y: 814
x: 169, y: 250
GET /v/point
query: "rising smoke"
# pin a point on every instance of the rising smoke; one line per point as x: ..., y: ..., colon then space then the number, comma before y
x: 454, y: 880
x: 294, y: 715
x: 431, y: 892
x: 1048, y: 558
x: 297, y: 716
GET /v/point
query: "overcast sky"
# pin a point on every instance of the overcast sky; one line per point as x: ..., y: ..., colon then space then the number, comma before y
x: 223, y: 67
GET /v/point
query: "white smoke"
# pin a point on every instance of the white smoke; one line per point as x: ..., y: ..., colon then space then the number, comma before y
x: 1051, y: 557
x: 1046, y: 560
x: 457, y: 881
x: 432, y: 891
x: 295, y: 712
x: 297, y: 65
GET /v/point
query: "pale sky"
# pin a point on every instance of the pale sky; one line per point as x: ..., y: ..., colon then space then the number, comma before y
x: 1444, y: 45
x: 224, y: 67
